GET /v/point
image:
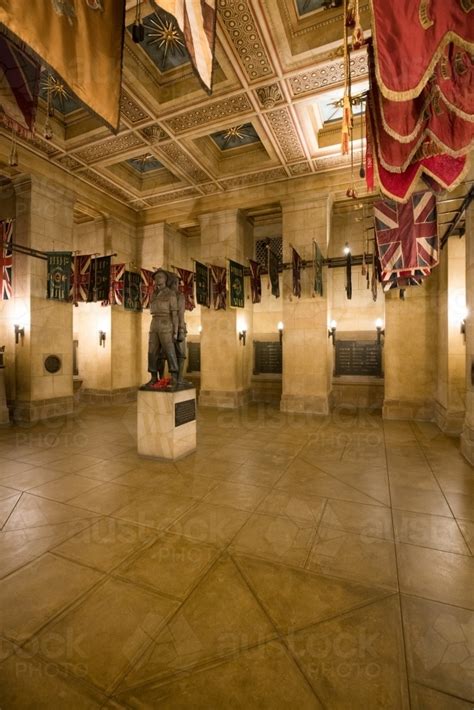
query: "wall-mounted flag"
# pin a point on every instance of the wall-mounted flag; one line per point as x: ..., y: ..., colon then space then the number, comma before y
x: 59, y: 275
x: 6, y: 260
x: 237, y: 285
x: 202, y: 285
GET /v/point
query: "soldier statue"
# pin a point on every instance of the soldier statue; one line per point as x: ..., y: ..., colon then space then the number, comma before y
x: 167, y: 338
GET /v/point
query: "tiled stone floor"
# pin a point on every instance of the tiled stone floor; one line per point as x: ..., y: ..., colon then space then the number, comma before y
x: 292, y: 562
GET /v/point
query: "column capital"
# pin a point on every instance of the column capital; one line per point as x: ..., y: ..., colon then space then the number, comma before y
x: 27, y: 183
x: 222, y: 216
x: 307, y: 200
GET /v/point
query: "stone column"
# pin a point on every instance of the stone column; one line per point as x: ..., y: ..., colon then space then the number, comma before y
x: 467, y: 437
x: 226, y: 364
x: 451, y: 379
x: 45, y: 222
x: 307, y: 352
x: 410, y: 352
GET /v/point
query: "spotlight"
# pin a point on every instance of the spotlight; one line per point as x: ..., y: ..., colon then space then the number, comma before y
x: 380, y: 330
x: 280, y: 331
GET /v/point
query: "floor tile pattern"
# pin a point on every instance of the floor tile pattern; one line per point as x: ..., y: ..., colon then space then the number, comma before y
x: 292, y: 561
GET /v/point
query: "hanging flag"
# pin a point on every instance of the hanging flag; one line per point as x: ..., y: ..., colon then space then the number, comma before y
x: 6, y: 261
x: 318, y: 269
x: 80, y: 278
x: 219, y: 287
x: 186, y: 287
x: 132, y: 291
x: 19, y: 88
x: 82, y: 42
x: 407, y: 235
x: 296, y: 265
x: 349, y: 275
x: 203, y: 289
x: 237, y: 287
x: 197, y: 21
x: 100, y: 279
x: 273, y: 263
x: 399, y: 28
x: 147, y: 286
x: 59, y: 275
x: 255, y: 280
x: 116, y: 286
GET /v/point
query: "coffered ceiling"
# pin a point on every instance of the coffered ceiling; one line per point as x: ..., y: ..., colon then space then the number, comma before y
x: 271, y: 116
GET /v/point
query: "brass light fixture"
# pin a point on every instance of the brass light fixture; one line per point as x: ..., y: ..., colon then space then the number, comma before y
x: 19, y: 333
x: 332, y: 331
x: 102, y: 337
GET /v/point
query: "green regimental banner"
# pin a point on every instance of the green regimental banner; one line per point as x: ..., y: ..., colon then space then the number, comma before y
x: 202, y: 285
x: 237, y: 288
x: 132, y: 291
x: 59, y: 275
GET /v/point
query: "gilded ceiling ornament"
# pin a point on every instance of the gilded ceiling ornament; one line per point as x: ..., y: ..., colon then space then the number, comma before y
x: 235, y: 135
x: 54, y: 89
x: 64, y: 8
x: 269, y: 95
x: 143, y: 160
x: 164, y: 34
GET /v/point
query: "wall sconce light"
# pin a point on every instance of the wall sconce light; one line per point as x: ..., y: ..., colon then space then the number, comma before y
x: 19, y: 333
x: 463, y: 328
x: 242, y: 336
x: 102, y: 336
x: 280, y: 331
x: 332, y: 331
x: 347, y: 249
x: 380, y: 330
x: 199, y: 329
x: 2, y: 355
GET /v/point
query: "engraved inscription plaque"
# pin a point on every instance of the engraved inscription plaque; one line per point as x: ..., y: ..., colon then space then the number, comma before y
x: 194, y: 357
x: 267, y: 357
x: 184, y: 412
x: 358, y: 357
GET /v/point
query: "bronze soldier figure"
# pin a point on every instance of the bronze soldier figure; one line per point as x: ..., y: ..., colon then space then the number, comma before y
x: 163, y: 330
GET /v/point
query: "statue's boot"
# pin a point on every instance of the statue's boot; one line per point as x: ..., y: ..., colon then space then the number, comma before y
x: 151, y: 382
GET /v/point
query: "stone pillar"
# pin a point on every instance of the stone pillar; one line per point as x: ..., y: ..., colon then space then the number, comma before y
x: 467, y: 437
x: 307, y: 352
x: 451, y: 379
x: 109, y: 370
x: 410, y: 352
x: 44, y: 221
x: 226, y: 364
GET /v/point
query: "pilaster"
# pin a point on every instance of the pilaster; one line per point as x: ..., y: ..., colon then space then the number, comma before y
x: 307, y: 354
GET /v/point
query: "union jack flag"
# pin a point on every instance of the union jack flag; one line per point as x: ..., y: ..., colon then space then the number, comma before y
x: 147, y: 286
x: 81, y: 278
x: 219, y: 287
x: 117, y: 278
x: 407, y: 236
x: 187, y: 288
x: 6, y: 261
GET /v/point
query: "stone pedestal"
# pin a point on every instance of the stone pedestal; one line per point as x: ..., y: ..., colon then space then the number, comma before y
x: 166, y: 424
x: 4, y: 414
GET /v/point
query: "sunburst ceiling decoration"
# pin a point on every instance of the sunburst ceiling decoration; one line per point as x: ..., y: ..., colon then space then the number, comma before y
x: 54, y: 90
x: 237, y: 134
x: 165, y: 35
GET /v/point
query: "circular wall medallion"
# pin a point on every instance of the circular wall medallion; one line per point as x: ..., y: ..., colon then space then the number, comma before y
x: 52, y: 364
